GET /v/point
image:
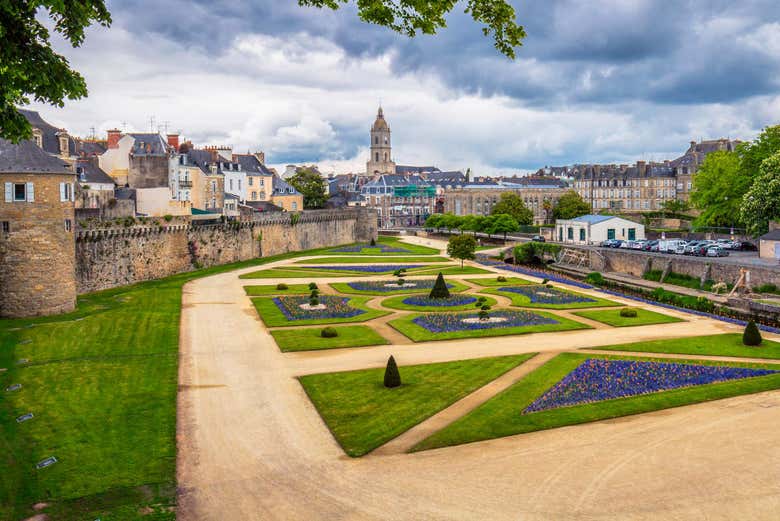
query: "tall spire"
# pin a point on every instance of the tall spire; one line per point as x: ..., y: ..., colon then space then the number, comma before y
x: 379, y: 113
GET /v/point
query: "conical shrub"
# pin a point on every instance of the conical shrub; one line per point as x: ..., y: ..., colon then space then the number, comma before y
x: 751, y: 336
x: 392, y: 376
x: 439, y: 289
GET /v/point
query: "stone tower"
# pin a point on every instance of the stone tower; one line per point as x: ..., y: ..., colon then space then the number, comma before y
x: 381, y: 159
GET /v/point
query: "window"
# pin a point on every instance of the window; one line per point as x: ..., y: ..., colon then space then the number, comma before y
x: 66, y: 192
x: 570, y: 233
x: 6, y: 227
x: 239, y: 184
x: 19, y: 192
x: 610, y: 233
x: 68, y: 225
x: 231, y: 184
x: 376, y: 140
x: 249, y: 181
x: 254, y: 194
x: 377, y: 157
x: 294, y: 205
x: 582, y: 234
x: 213, y: 186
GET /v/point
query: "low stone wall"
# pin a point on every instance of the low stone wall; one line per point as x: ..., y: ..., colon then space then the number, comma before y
x: 120, y: 255
x: 638, y: 263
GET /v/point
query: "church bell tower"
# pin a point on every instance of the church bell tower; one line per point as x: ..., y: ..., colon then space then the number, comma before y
x: 381, y: 159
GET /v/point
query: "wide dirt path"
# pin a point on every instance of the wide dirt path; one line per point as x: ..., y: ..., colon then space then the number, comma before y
x: 251, y: 445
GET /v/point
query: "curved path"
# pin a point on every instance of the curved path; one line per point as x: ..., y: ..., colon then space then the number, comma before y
x: 251, y: 445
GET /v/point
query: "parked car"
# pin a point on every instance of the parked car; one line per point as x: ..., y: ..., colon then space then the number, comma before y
x: 670, y: 245
x: 716, y: 251
x: 648, y: 246
x: 745, y: 246
x: 537, y: 238
x: 638, y: 244
x: 629, y: 245
x: 679, y: 248
x: 726, y: 244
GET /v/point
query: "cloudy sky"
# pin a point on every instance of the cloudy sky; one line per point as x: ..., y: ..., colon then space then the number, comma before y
x: 596, y: 81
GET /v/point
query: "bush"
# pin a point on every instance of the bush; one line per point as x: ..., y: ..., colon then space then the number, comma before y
x: 315, y: 293
x: 595, y: 278
x: 312, y: 285
x: 314, y: 301
x: 767, y: 288
x: 751, y: 336
x: 545, y: 281
x: 400, y: 282
x: 282, y: 286
x: 373, y: 242
x: 329, y: 332
x: 500, y: 278
x: 168, y: 217
x: 392, y: 376
x: 628, y: 312
x: 439, y: 289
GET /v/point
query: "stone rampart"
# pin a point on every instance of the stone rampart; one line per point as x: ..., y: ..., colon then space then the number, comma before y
x: 120, y: 255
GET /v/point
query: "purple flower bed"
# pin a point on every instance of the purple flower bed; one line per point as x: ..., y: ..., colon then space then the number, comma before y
x: 377, y: 268
x: 533, y: 273
x: 449, y: 322
x: 545, y: 295
x: 595, y: 380
x: 337, y: 307
x: 384, y: 248
x: 382, y: 285
x: 453, y: 300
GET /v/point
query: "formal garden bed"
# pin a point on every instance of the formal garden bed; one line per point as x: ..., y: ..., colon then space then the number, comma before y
x: 711, y: 345
x: 391, y: 287
x: 548, y: 297
x: 383, y: 246
x: 620, y: 317
x: 277, y: 289
x: 446, y: 326
x: 292, y: 310
x: 500, y: 281
x: 425, y: 303
x: 370, y: 260
x: 339, y: 271
x: 575, y: 388
x: 311, y: 338
x: 384, y: 412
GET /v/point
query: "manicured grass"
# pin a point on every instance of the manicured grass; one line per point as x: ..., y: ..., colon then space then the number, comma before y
x: 510, y: 281
x: 612, y: 317
x: 713, y: 345
x: 362, y: 414
x: 371, y: 260
x: 270, y: 289
x: 310, y: 339
x: 302, y: 273
x: 448, y: 270
x: 343, y: 287
x: 273, y: 317
x: 525, y: 302
x: 102, y: 385
x: 392, y: 242
x: 419, y: 334
x: 397, y: 303
x: 501, y: 416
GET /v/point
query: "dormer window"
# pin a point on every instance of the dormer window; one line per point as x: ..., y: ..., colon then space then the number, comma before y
x: 38, y: 137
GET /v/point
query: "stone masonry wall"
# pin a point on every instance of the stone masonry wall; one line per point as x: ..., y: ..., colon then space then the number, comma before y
x: 118, y: 256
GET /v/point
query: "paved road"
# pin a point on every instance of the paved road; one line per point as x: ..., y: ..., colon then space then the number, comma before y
x: 252, y: 447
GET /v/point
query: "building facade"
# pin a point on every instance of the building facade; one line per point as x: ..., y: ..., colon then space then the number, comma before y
x: 381, y: 159
x: 595, y: 229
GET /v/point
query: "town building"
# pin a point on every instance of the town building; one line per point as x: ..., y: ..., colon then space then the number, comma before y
x: 769, y: 243
x: 595, y: 229
x: 380, y: 160
x: 37, y: 223
x: 139, y: 160
x: 400, y: 200
x: 94, y: 188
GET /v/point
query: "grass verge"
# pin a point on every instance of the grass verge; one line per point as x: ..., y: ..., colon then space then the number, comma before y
x: 310, y: 339
x: 525, y: 302
x: 362, y: 414
x: 501, y: 416
x: 372, y: 260
x: 271, y: 289
x: 272, y: 316
x: 612, y: 317
x: 711, y: 345
x: 510, y: 281
x: 391, y: 242
x: 407, y: 327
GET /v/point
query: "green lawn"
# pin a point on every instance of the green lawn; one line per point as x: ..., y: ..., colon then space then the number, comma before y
x: 270, y: 289
x: 273, y: 317
x: 510, y: 281
x: 306, y: 272
x: 713, y: 345
x: 525, y: 302
x: 343, y: 287
x: 397, y: 303
x: 612, y: 317
x: 309, y: 338
x: 102, y: 385
x: 416, y: 333
x: 371, y: 260
x: 392, y: 242
x: 449, y: 270
x: 362, y: 414
x: 501, y: 416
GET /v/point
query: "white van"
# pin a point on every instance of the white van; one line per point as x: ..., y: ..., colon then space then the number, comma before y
x: 671, y: 245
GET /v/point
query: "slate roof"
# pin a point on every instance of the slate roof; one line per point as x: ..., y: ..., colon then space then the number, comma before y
x: 251, y: 164
x: 49, y: 132
x: 593, y: 219
x: 27, y: 157
x: 407, y: 169
x: 149, y: 144
x: 282, y: 187
x: 397, y: 180
x: 90, y: 148
x: 263, y: 206
x: 774, y: 235
x: 89, y: 172
x: 447, y: 178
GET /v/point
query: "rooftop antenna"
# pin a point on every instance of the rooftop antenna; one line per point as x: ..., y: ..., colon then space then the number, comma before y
x: 92, y: 133
x: 151, y: 124
x: 124, y: 126
x: 165, y: 125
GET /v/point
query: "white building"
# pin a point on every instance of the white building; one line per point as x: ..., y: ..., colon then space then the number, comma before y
x: 594, y: 229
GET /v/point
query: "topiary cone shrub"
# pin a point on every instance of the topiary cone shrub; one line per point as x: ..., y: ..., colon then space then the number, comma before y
x: 312, y: 285
x: 439, y: 289
x: 392, y: 376
x: 329, y: 332
x: 373, y: 242
x: 751, y: 336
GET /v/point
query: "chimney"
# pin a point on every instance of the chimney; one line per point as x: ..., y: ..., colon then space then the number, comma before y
x: 114, y: 135
x: 642, y: 167
x: 173, y: 141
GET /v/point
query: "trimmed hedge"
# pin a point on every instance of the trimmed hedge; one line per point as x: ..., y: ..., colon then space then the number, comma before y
x: 751, y: 336
x: 392, y: 376
x: 329, y: 332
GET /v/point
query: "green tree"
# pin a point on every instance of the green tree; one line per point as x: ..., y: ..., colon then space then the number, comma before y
x: 761, y: 204
x: 392, y: 376
x: 410, y: 17
x: 571, y: 205
x: 511, y: 204
x: 751, y: 336
x: 472, y: 223
x: 312, y: 186
x: 676, y: 206
x: 718, y: 187
x: 29, y: 67
x: 435, y: 221
x: 462, y: 247
x: 439, y: 289
x: 501, y: 223
x: 451, y: 221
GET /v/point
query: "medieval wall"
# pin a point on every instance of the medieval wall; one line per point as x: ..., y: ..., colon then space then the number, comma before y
x: 120, y: 255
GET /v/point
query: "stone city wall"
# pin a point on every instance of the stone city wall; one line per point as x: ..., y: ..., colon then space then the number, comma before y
x: 110, y: 257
